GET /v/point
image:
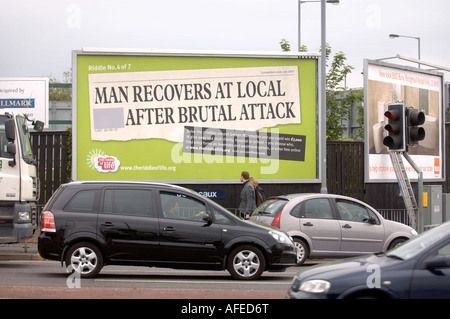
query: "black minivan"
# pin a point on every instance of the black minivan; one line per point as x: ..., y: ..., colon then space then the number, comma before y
x: 91, y: 224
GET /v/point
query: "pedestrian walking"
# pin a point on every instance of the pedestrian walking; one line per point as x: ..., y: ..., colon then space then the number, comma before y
x: 260, y: 195
x: 248, y: 202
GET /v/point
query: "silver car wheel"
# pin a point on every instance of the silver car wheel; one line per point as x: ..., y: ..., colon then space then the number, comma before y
x: 246, y: 263
x: 84, y: 260
x: 302, y: 251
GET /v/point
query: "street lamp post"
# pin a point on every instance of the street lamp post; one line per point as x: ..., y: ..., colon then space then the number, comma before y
x: 334, y: 2
x: 322, y: 88
x: 393, y: 36
x: 323, y: 97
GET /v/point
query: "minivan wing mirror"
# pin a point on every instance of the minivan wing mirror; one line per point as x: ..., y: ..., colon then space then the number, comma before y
x: 439, y: 261
x: 207, y: 219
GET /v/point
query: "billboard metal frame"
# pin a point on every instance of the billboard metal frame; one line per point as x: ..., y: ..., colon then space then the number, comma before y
x: 320, y: 127
x: 441, y: 118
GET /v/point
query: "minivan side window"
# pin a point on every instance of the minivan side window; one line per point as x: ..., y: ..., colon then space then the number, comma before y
x: 137, y: 202
x: 181, y: 206
x: 83, y: 201
x: 222, y: 218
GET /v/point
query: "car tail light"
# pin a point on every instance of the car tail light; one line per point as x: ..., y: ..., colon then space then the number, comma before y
x: 48, y: 222
x: 276, y: 221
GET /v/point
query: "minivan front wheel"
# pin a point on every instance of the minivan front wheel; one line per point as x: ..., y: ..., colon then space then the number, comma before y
x: 246, y: 263
x: 84, y: 258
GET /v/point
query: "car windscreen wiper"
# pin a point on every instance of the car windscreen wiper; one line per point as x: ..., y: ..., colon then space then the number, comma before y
x: 392, y: 256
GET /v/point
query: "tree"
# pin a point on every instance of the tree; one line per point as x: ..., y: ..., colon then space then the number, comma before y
x: 285, y: 45
x: 340, y: 101
x: 61, y: 91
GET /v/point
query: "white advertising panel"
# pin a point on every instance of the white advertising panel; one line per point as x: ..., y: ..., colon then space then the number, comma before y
x: 158, y: 104
x: 420, y: 89
x: 26, y: 95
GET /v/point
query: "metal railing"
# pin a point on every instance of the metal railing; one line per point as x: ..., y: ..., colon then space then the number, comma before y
x: 396, y: 215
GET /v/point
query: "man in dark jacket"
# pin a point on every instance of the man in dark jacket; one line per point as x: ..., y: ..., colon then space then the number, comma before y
x: 248, y: 201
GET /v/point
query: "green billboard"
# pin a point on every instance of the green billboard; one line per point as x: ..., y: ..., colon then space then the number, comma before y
x: 194, y: 117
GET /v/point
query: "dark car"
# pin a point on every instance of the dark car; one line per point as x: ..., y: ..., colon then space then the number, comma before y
x: 418, y: 269
x: 91, y: 224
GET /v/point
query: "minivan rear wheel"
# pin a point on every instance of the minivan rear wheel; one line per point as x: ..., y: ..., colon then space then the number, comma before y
x: 246, y: 263
x: 84, y: 258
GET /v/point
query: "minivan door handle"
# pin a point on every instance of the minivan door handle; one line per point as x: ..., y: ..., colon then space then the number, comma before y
x: 346, y: 226
x: 308, y: 224
x: 108, y: 224
x: 169, y: 228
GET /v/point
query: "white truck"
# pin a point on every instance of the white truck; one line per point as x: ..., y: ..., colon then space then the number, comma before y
x: 19, y: 185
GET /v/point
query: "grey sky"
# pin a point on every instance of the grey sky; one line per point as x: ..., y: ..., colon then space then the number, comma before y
x: 38, y: 36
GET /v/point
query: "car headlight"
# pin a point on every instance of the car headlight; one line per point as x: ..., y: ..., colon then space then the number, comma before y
x: 24, y: 216
x: 280, y: 237
x: 315, y: 286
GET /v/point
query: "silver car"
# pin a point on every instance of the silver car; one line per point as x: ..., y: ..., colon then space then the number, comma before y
x: 324, y: 225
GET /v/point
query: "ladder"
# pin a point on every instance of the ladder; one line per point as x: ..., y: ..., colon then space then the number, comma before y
x: 405, y: 186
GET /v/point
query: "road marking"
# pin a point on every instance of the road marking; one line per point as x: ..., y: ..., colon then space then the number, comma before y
x: 200, y: 282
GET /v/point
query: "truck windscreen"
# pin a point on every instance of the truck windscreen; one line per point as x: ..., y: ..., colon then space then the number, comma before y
x: 25, y: 140
x: 3, y: 140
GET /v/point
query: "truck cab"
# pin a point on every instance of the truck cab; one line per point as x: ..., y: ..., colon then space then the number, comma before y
x: 19, y: 185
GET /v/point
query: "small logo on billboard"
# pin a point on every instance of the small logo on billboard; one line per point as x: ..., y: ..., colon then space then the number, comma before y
x: 17, y: 103
x: 92, y: 155
x: 106, y: 164
x: 437, y: 166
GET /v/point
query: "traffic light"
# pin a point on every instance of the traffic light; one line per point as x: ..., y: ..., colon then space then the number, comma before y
x: 396, y: 126
x: 414, y: 134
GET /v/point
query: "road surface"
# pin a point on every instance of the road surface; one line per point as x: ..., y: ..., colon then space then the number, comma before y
x: 47, y: 279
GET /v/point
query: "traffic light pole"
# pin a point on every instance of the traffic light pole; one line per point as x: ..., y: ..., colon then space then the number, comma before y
x: 405, y: 187
x: 403, y: 130
x: 419, y: 191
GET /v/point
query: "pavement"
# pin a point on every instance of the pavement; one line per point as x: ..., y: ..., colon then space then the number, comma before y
x: 31, y: 292
x: 21, y: 251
